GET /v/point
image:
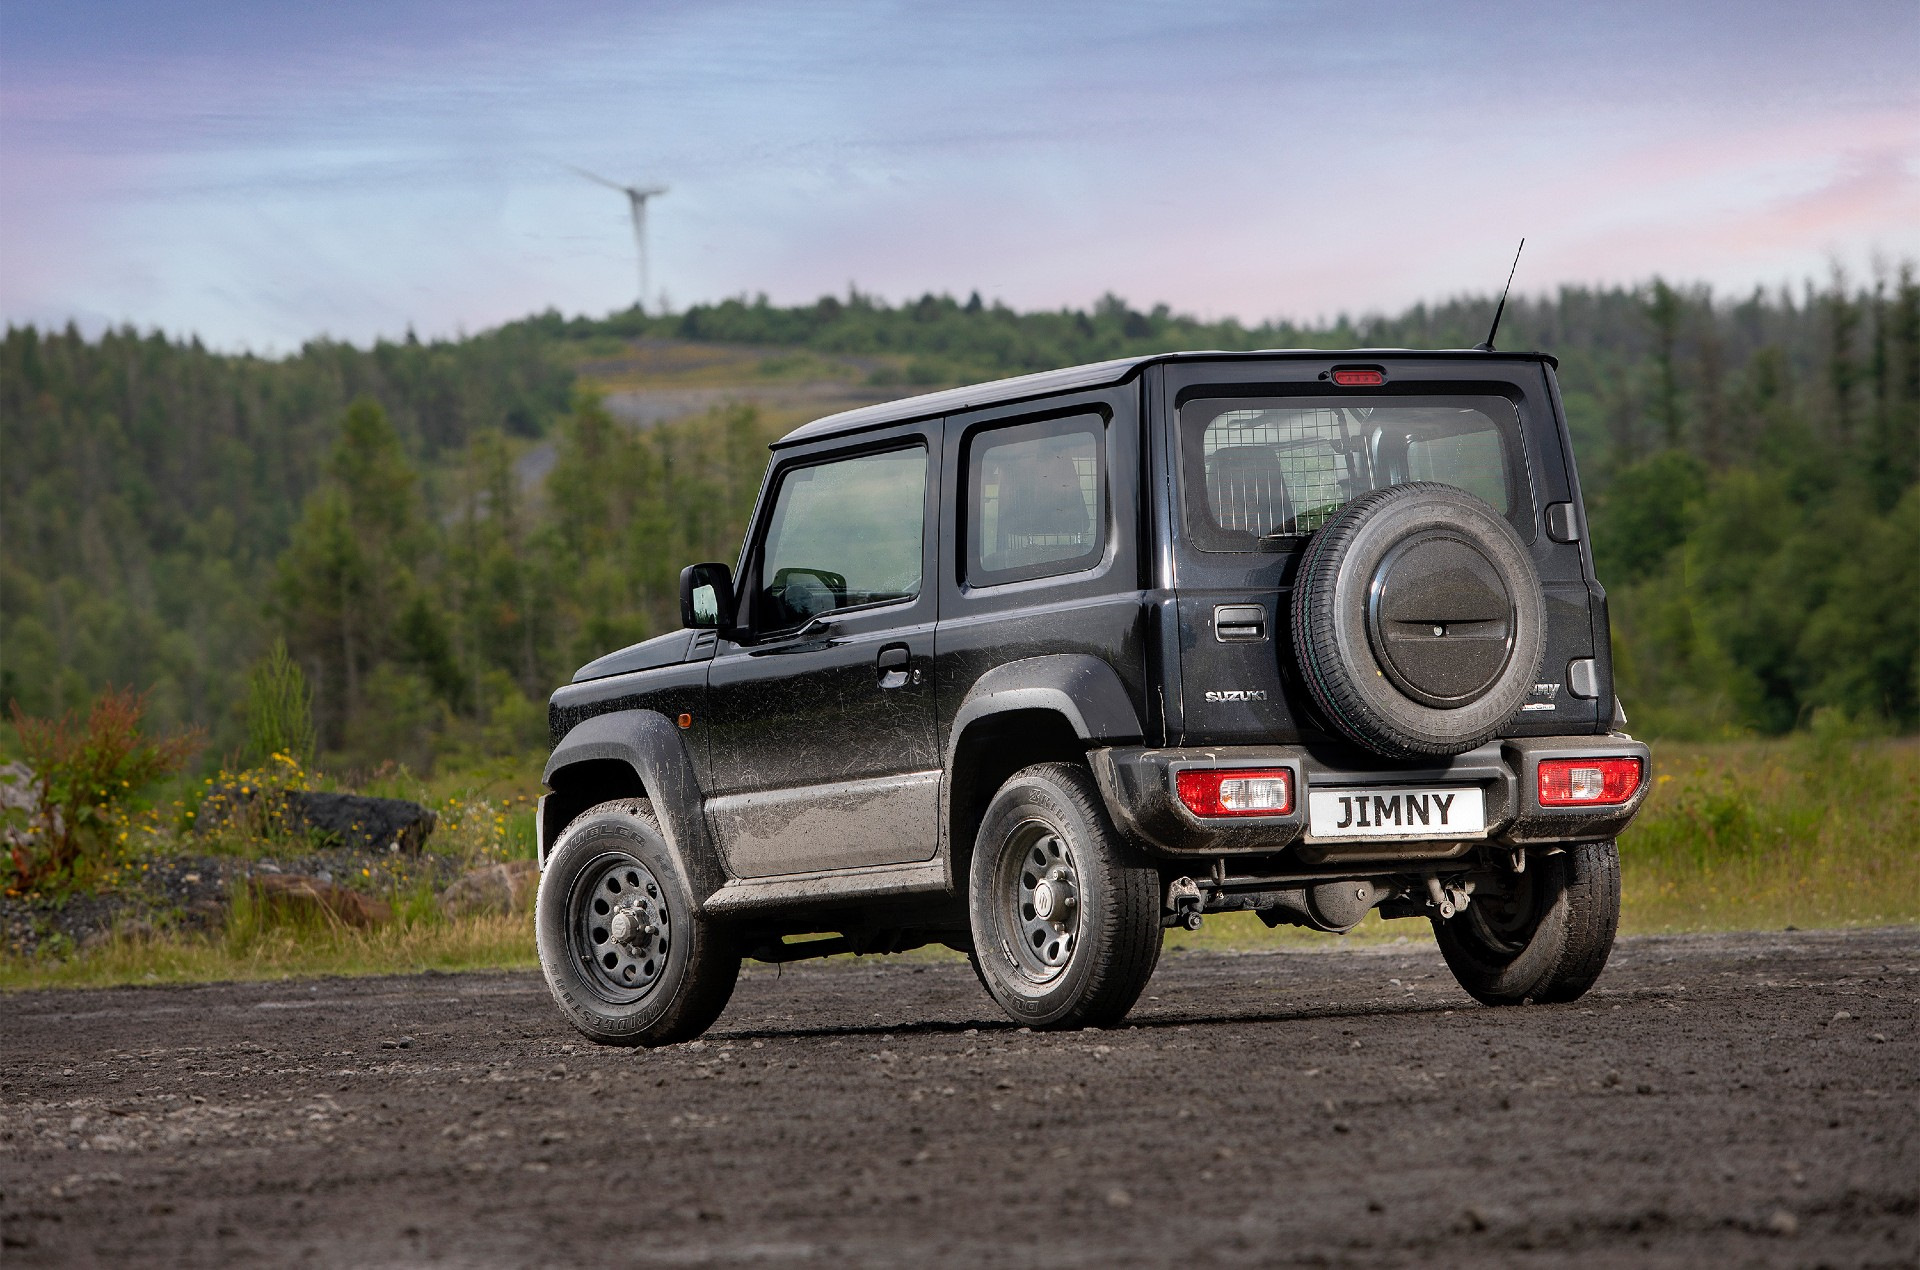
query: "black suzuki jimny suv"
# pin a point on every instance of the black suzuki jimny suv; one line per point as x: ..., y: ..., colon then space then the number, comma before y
x: 1039, y: 668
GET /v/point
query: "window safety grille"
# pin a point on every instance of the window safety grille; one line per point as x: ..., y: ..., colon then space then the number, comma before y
x: 1282, y: 471
x: 1276, y: 471
x: 1038, y: 502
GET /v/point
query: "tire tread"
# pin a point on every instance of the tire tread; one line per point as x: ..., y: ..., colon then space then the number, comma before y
x: 1567, y: 952
x: 713, y: 963
x: 1128, y: 949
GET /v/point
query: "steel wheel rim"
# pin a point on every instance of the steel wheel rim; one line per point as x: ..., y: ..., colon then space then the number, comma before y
x: 1037, y: 896
x: 1505, y: 922
x: 619, y: 930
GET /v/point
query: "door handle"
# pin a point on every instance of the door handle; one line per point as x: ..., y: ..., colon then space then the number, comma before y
x: 892, y: 665
x: 1240, y: 623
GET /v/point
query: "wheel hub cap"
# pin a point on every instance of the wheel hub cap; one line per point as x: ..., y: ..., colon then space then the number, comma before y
x: 1042, y: 889
x: 630, y: 927
x: 622, y: 931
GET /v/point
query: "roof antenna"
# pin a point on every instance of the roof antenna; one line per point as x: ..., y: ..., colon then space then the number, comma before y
x: 1486, y: 345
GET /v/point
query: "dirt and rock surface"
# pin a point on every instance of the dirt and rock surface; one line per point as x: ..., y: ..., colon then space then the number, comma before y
x: 1734, y: 1099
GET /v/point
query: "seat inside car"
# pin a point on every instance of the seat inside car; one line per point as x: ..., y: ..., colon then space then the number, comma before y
x: 1247, y: 489
x: 1042, y: 512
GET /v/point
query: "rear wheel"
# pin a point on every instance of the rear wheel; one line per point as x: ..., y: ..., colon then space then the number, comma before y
x: 1066, y: 923
x: 628, y: 960
x: 1545, y: 936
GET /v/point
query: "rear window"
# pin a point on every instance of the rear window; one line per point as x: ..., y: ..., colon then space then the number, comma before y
x: 1261, y: 472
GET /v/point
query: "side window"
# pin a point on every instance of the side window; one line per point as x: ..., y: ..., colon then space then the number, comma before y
x: 1036, y: 499
x: 843, y: 534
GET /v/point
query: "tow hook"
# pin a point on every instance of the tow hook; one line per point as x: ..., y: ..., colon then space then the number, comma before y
x: 1183, y: 904
x: 1448, y: 898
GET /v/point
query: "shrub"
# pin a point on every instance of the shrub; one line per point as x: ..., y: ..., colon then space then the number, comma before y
x: 83, y: 772
x: 279, y: 709
x: 250, y: 807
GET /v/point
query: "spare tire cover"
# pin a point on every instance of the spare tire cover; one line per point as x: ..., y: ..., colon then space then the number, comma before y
x: 1418, y: 621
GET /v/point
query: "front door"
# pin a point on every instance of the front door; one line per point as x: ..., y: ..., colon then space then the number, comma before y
x: 821, y: 710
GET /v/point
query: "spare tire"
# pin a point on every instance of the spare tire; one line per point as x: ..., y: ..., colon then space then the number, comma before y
x: 1418, y: 621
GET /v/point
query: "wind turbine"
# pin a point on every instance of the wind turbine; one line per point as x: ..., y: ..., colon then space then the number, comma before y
x: 637, y: 196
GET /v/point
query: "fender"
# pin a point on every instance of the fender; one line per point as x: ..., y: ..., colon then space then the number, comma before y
x: 656, y: 750
x: 1079, y: 686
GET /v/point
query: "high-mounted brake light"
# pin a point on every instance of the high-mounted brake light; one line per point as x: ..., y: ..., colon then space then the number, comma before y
x: 1588, y: 782
x: 1236, y: 791
x: 1354, y: 377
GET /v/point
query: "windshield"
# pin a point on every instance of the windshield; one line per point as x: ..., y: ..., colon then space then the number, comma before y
x: 1260, y: 472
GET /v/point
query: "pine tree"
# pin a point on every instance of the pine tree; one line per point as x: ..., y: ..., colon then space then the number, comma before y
x: 345, y: 581
x: 279, y: 709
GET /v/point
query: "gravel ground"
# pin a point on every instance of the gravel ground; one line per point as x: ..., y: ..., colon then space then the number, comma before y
x: 1729, y: 1099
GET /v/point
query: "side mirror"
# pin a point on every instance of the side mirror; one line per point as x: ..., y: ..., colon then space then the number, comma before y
x: 706, y: 597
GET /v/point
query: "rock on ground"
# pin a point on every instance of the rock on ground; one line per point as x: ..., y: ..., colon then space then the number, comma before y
x: 312, y: 895
x: 494, y: 888
x: 357, y: 820
x: 353, y: 821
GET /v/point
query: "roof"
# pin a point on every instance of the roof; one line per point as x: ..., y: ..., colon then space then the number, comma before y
x: 1093, y: 375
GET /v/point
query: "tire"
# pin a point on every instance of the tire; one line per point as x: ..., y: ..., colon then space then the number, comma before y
x: 1544, y: 941
x: 1392, y: 566
x: 671, y: 978
x: 1066, y: 922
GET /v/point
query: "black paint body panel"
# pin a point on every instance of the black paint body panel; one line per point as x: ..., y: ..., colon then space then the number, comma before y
x: 1205, y: 580
x: 662, y: 650
x: 1124, y: 652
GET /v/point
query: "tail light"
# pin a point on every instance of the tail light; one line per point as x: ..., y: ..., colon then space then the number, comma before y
x: 1584, y: 782
x: 1236, y: 791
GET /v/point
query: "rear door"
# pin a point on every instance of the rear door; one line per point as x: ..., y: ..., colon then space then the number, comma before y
x: 1262, y: 453
x: 821, y: 710
x: 1041, y: 526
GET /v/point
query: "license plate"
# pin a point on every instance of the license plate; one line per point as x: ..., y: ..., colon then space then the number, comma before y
x: 1448, y: 811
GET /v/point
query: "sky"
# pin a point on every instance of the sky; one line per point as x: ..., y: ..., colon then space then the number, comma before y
x: 260, y: 173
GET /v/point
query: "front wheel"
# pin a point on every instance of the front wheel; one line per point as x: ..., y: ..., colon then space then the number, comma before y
x: 1066, y: 923
x: 1545, y: 936
x: 628, y: 960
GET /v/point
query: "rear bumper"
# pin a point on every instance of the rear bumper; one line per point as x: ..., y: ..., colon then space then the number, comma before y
x: 1137, y: 784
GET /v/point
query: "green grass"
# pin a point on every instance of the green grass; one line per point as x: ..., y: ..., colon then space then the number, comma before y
x: 260, y: 942
x: 1812, y: 831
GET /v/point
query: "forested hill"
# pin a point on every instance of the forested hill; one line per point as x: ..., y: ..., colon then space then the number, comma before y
x: 441, y: 553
